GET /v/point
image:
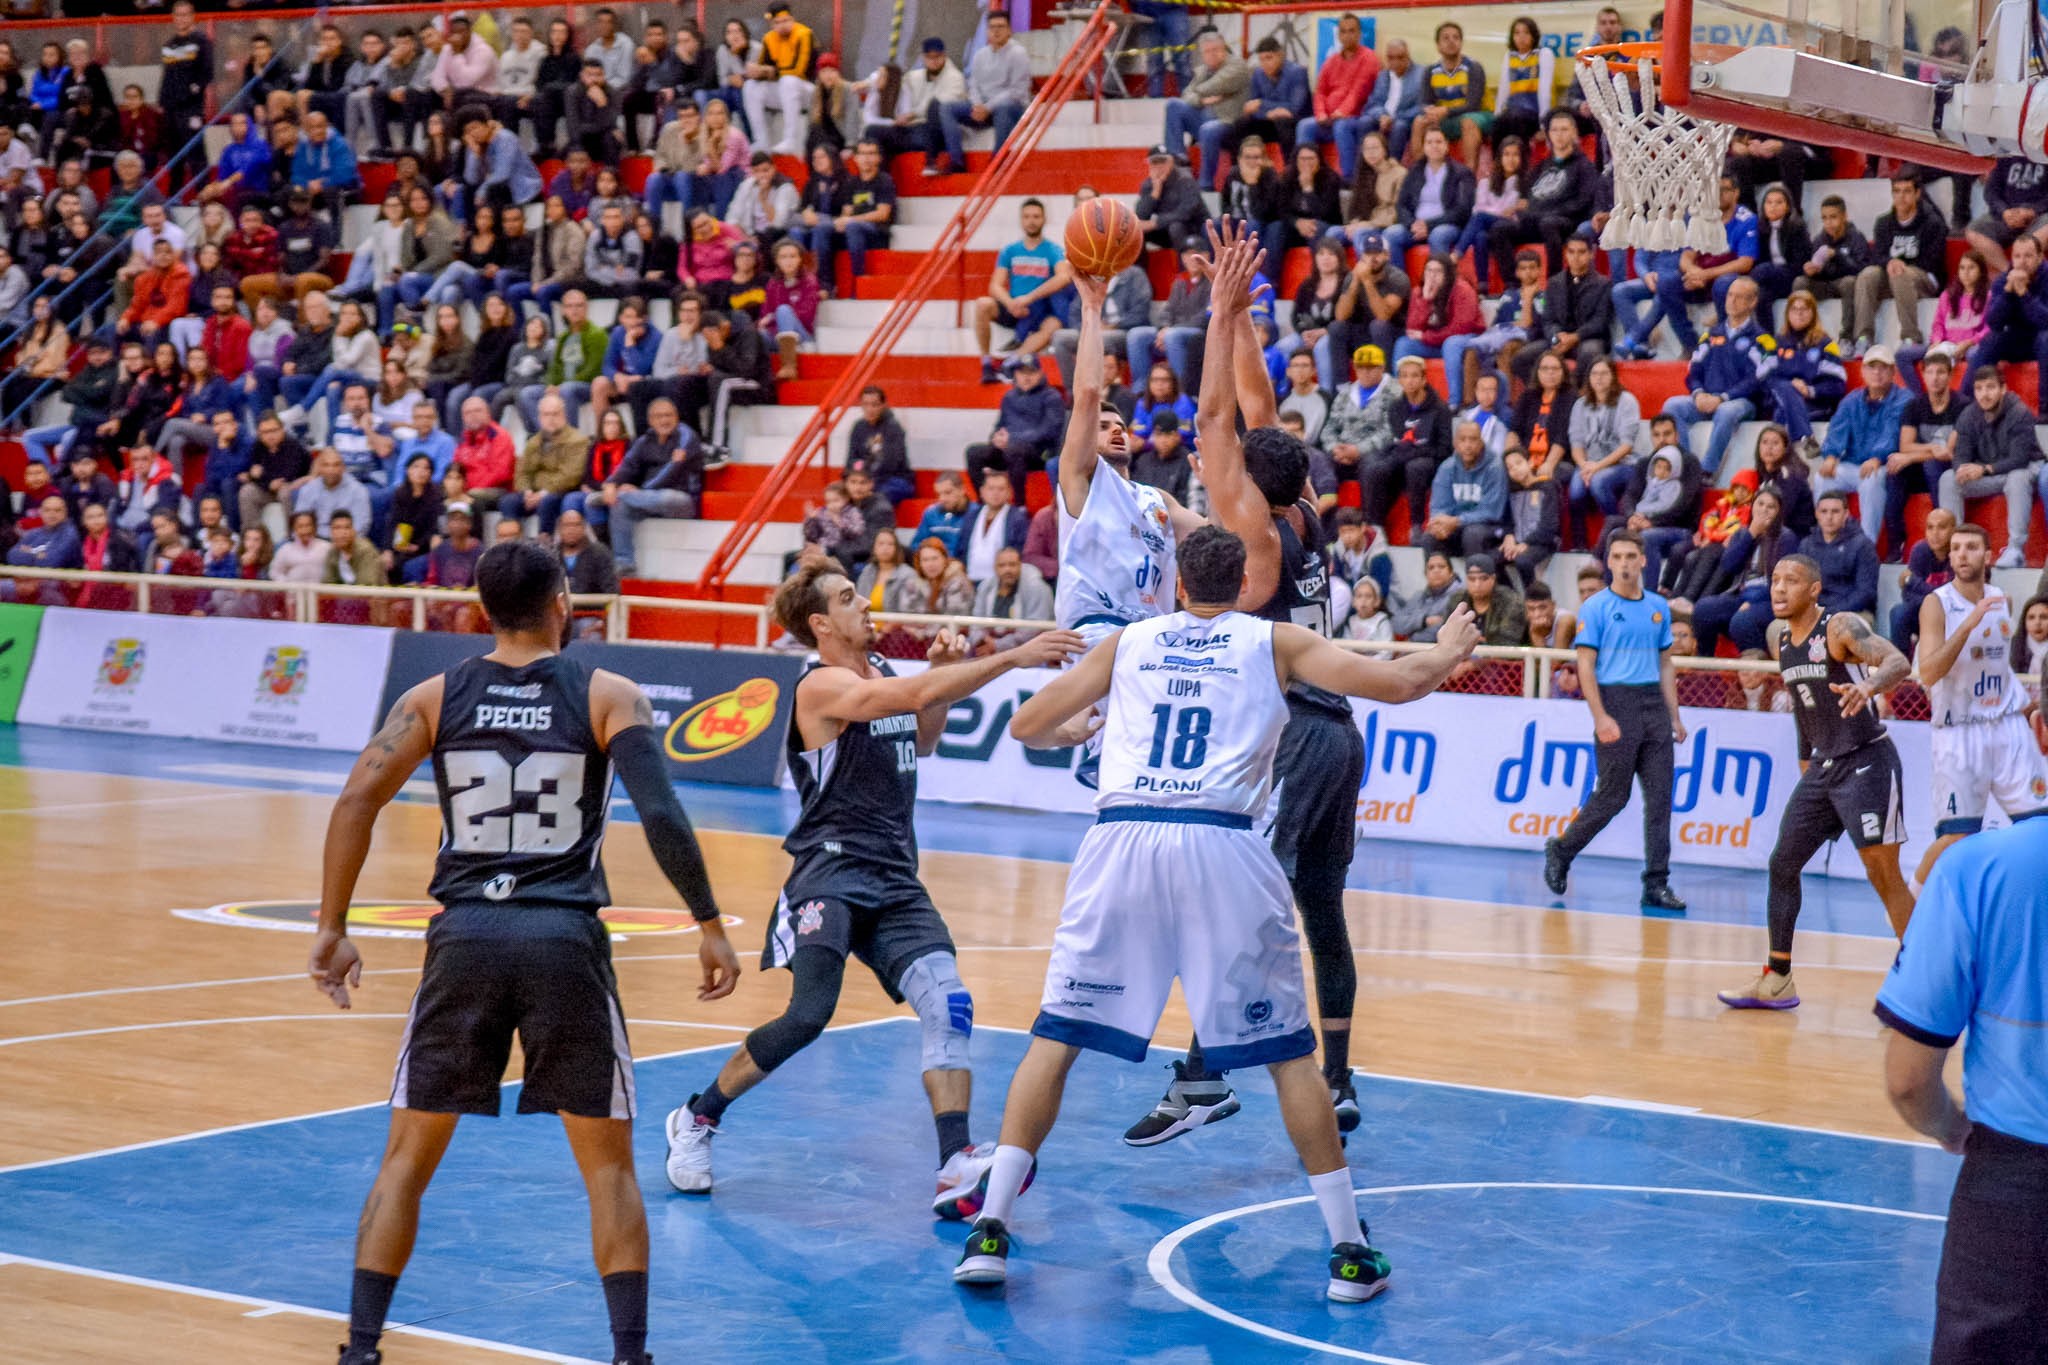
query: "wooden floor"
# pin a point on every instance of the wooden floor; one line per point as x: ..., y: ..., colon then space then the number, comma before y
x: 121, y: 1023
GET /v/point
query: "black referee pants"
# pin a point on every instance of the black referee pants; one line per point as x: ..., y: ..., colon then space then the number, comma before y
x: 1991, y: 1300
x: 1642, y: 754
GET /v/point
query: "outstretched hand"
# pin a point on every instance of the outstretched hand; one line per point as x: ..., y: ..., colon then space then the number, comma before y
x: 1234, y: 258
x: 1459, y: 634
x: 1093, y: 289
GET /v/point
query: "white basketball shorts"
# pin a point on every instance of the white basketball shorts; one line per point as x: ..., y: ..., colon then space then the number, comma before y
x: 1993, y: 760
x: 1156, y: 894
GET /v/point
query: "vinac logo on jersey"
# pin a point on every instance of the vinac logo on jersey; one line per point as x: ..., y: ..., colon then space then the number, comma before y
x: 409, y: 919
x: 120, y: 665
x: 723, y: 723
x: 286, y: 670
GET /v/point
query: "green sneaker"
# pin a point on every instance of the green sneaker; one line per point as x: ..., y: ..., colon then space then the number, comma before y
x: 1357, y: 1272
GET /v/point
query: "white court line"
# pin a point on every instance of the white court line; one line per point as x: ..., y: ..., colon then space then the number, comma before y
x: 179, y: 800
x: 271, y: 1307
x: 297, y: 1018
x: 1506, y: 955
x: 226, y: 1129
x: 1159, y: 1261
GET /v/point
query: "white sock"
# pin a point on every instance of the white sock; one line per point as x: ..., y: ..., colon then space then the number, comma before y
x: 1334, y: 1197
x: 1913, y: 885
x: 1005, y: 1179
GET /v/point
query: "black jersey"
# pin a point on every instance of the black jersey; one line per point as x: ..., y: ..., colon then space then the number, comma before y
x: 524, y: 787
x: 1302, y: 597
x: 858, y: 792
x: 1810, y: 673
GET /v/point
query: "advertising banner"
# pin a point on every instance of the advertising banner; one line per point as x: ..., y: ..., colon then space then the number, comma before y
x: 722, y: 713
x: 1484, y: 772
x: 252, y: 682
x: 417, y: 655
x: 19, y: 624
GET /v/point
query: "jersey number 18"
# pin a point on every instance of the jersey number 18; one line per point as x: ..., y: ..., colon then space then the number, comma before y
x: 1181, y: 735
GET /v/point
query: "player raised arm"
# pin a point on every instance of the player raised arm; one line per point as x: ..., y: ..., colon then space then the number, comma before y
x: 840, y: 694
x: 1235, y: 501
x: 1851, y: 640
x: 1084, y: 390
x: 394, y: 753
x: 1938, y: 649
x: 948, y: 647
x: 624, y: 724
x: 1040, y: 723
x: 1303, y: 654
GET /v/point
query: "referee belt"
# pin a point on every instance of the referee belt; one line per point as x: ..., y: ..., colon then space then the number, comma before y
x: 1173, y: 815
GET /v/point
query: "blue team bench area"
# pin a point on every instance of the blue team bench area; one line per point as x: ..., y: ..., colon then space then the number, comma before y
x: 1518, y: 1227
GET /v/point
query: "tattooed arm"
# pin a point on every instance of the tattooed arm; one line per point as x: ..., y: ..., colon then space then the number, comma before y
x: 394, y: 753
x: 1851, y: 640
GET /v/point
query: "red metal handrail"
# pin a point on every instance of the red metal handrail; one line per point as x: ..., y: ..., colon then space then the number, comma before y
x: 813, y: 442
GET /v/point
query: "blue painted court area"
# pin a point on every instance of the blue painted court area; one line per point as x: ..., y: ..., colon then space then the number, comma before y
x: 1518, y: 1227
x: 1599, y: 885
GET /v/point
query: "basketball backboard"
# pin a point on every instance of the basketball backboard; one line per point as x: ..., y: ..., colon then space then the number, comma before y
x: 1938, y: 82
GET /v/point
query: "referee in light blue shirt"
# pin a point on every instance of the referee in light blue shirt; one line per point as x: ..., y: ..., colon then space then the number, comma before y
x: 1624, y: 645
x: 1975, y: 957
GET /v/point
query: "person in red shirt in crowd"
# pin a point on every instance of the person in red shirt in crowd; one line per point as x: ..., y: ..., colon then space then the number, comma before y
x: 142, y: 126
x: 484, y: 454
x: 225, y: 338
x: 162, y: 293
x: 1342, y: 87
x: 252, y: 249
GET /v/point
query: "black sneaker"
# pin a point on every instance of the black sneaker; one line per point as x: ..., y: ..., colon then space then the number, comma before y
x: 986, y: 1259
x: 1357, y: 1272
x: 989, y: 374
x: 1187, y: 1104
x: 1662, y: 897
x: 1556, y: 867
x: 370, y: 1357
x: 1344, y: 1099
x: 644, y: 1358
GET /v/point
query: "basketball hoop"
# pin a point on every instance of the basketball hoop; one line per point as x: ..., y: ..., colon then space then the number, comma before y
x: 1667, y: 164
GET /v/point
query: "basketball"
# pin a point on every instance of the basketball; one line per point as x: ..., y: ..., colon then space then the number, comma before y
x: 1103, y: 238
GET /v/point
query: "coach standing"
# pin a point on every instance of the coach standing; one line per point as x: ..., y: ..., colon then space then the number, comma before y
x: 1624, y: 645
x: 1976, y: 957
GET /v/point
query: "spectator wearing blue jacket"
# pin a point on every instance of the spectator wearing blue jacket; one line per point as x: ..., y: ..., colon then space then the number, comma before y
x: 1162, y: 395
x: 495, y: 167
x: 628, y: 357
x: 1029, y: 425
x: 1396, y: 99
x: 1468, y: 499
x: 1847, y: 558
x: 1672, y: 279
x: 1862, y: 437
x: 242, y: 172
x: 1807, y: 378
x: 227, y: 459
x: 1725, y: 381
x: 1274, y: 107
x: 2017, y: 319
x: 428, y: 439
x: 949, y: 518
x: 324, y: 165
x: 53, y: 545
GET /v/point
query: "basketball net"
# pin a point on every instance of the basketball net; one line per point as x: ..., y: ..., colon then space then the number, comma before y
x: 1667, y: 165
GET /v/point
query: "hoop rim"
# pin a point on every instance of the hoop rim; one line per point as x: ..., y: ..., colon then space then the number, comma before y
x: 1621, y: 58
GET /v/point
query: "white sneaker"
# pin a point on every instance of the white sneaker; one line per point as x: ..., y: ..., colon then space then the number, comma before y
x: 2010, y: 558
x: 961, y: 1180
x: 689, y: 1151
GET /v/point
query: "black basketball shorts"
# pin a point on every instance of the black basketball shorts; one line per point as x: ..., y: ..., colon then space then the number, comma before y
x: 542, y: 973
x: 887, y: 923
x: 1319, y: 767
x: 1860, y: 794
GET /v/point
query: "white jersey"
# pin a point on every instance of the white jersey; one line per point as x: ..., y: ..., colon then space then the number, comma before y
x: 1981, y: 686
x: 1116, y: 557
x: 1195, y: 714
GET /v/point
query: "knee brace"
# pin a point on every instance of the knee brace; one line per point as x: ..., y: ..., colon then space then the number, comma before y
x: 933, y: 988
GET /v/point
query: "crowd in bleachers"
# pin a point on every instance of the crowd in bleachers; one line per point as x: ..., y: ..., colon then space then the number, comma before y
x: 499, y: 264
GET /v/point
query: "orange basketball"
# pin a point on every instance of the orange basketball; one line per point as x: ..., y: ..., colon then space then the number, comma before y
x: 1103, y: 237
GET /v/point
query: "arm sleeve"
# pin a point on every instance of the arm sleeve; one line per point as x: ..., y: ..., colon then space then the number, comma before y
x: 637, y: 756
